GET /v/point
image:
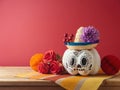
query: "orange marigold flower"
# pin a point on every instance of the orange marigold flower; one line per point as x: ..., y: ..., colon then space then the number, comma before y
x: 35, y: 60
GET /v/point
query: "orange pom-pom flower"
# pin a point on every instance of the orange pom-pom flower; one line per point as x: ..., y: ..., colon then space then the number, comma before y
x: 35, y: 60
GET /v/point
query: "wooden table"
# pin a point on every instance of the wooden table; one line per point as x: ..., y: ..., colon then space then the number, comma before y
x: 8, y: 81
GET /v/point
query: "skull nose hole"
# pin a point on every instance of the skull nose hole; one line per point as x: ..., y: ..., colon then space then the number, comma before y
x: 84, y: 61
x: 78, y: 66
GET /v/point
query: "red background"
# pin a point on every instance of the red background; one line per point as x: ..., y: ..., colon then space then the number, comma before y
x: 31, y: 26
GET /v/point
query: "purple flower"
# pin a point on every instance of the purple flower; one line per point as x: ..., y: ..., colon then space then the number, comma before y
x: 90, y: 34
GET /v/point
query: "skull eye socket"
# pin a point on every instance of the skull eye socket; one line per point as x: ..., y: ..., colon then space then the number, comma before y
x: 72, y: 61
x: 83, y: 61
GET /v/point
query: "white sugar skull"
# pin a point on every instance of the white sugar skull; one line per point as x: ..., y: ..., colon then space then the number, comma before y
x: 70, y: 61
x: 81, y: 62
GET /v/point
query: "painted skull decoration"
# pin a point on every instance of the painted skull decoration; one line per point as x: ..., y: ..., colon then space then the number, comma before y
x: 81, y: 62
x: 81, y: 57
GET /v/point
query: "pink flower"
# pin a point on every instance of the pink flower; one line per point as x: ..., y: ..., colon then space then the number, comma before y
x: 49, y: 56
x: 43, y: 68
x: 56, y: 67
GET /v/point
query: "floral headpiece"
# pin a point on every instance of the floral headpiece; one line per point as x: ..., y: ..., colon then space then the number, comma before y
x: 85, y: 38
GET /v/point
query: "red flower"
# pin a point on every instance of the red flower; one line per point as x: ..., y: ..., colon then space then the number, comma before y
x: 43, y: 68
x: 56, y: 67
x: 51, y: 63
x: 49, y: 56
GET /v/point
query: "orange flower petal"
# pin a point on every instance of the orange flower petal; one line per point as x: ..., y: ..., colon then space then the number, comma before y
x: 35, y: 60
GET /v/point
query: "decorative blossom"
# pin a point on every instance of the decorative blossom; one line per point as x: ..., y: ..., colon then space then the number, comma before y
x: 49, y: 56
x: 90, y: 34
x: 48, y: 63
x: 56, y: 67
x: 35, y: 60
x: 43, y: 68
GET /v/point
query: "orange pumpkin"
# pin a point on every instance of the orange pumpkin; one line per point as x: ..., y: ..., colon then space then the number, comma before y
x: 35, y: 60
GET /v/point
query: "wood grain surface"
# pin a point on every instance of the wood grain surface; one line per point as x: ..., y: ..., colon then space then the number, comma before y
x: 8, y: 81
